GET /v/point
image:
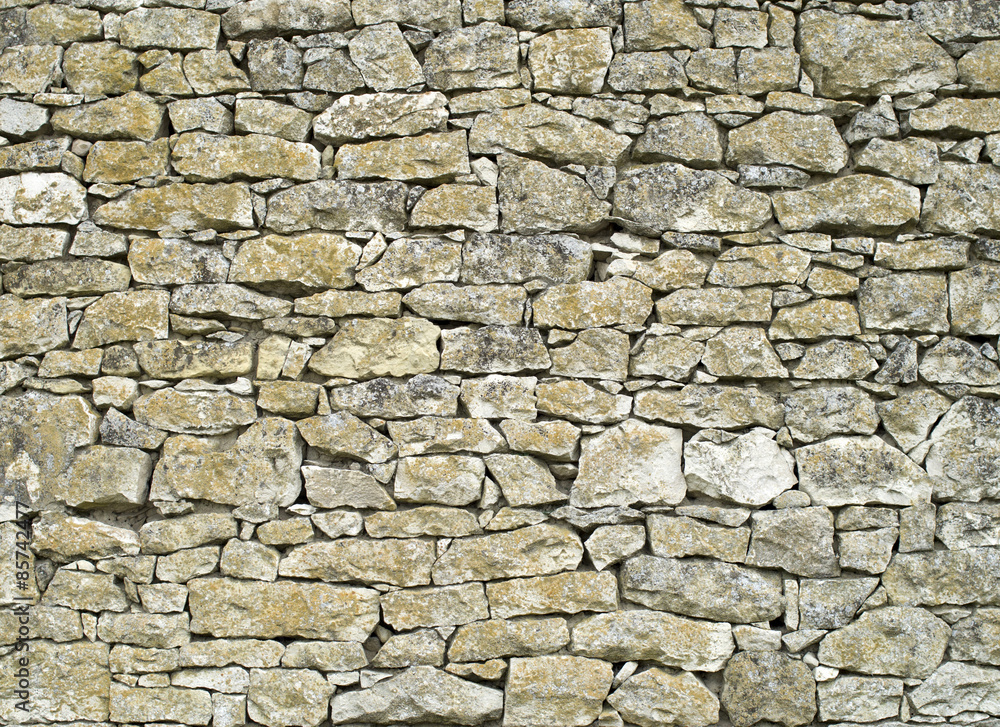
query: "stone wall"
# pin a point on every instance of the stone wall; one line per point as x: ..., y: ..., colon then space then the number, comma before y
x: 541, y: 363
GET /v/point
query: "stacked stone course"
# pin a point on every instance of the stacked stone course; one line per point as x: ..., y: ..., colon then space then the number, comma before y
x: 519, y: 364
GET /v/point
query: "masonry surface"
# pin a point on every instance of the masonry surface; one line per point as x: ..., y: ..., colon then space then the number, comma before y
x: 527, y: 364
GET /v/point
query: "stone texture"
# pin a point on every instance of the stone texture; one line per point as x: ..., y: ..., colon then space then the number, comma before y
x: 535, y: 550
x: 702, y: 588
x: 750, y: 469
x: 574, y: 690
x: 766, y: 685
x: 874, y: 65
x: 654, y: 696
x: 420, y: 693
x: 860, y: 203
x: 673, y: 197
x: 662, y: 638
x: 807, y: 142
x: 895, y: 640
x: 798, y: 540
x: 366, y: 348
x: 270, y: 610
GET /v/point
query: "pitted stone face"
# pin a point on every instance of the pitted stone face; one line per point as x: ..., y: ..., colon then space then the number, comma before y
x: 512, y: 363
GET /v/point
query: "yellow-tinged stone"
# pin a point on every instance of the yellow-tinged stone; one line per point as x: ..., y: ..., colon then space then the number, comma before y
x: 211, y: 158
x: 587, y: 305
x: 457, y: 205
x: 180, y: 207
x: 115, y: 162
x: 564, y: 690
x: 815, y: 319
x: 224, y: 607
x: 311, y: 260
x: 389, y: 560
x: 174, y: 28
x: 366, y: 348
x: 194, y: 412
x: 195, y: 359
x: 429, y: 158
x: 536, y: 550
x: 31, y: 326
x: 100, y: 68
x: 138, y: 315
x: 262, y: 466
x: 35, y: 198
x: 68, y: 682
x: 132, y: 116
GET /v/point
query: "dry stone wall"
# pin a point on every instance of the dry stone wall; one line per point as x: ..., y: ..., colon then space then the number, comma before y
x: 543, y: 363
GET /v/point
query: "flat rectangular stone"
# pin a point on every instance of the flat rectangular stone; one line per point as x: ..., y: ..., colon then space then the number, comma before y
x: 225, y: 607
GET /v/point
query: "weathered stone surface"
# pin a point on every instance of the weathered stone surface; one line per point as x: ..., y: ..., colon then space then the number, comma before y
x: 767, y: 685
x: 876, y: 64
x: 655, y: 24
x: 180, y: 207
x: 433, y: 607
x: 538, y: 131
x: 524, y: 481
x: 262, y: 17
x: 500, y: 397
x: 328, y: 488
x: 570, y: 61
x: 535, y: 198
x: 956, y: 361
x: 654, y: 636
x: 224, y: 607
x: 536, y: 550
x: 336, y: 205
x: 673, y: 197
x: 64, y: 537
x: 136, y: 315
x: 676, y: 537
x: 589, y: 305
x: 366, y: 348
x: 570, y: 689
x: 904, y: 302
x: 797, y: 540
x: 175, y: 28
x: 956, y: 687
x: 723, y: 407
x: 36, y: 198
x: 549, y: 259
x: 421, y: 395
x: 740, y: 267
x: 750, y: 469
x: 702, y: 588
x: 645, y: 467
x: 934, y: 578
x: 715, y: 306
x: 497, y: 638
x: 814, y: 414
x: 960, y: 201
x: 831, y: 603
x: 436, y: 15
x: 493, y: 349
x: 441, y: 479
x: 742, y: 352
x: 419, y: 694
x: 132, y: 116
x: 635, y: 72
x: 956, y: 474
x: 860, y: 203
x: 208, y: 158
x: 815, y: 319
x: 914, y: 160
x: 807, y: 142
x: 427, y: 158
x: 972, y: 295
x: 356, y: 118
x: 481, y: 56
x: 457, y: 205
x: 974, y: 638
x: 344, y: 435
x: 194, y: 412
x: 692, y: 139
x: 654, y: 696
x: 397, y: 562
x: 31, y: 326
x: 860, y: 471
x: 561, y: 593
x: 181, y: 360
x: 71, y: 681
x: 895, y: 640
